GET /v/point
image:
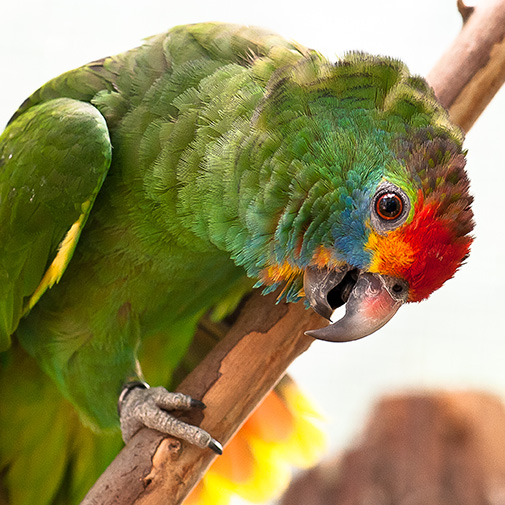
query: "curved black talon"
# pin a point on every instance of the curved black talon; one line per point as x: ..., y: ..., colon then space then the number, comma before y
x: 216, y: 447
x: 197, y: 404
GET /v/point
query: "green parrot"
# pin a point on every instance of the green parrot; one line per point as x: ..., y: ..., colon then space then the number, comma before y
x: 141, y: 191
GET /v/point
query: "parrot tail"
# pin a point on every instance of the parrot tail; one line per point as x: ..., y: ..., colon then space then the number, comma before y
x: 256, y: 464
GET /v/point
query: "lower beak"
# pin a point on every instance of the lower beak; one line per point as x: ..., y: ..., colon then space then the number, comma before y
x: 372, y: 300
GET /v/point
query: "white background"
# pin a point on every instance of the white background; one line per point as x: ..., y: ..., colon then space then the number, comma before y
x: 452, y: 341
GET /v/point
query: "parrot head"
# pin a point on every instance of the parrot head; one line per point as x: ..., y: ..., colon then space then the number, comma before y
x: 379, y: 212
x: 416, y: 239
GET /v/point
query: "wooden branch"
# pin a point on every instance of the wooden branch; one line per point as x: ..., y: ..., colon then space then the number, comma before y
x: 446, y: 448
x: 472, y: 70
x: 267, y: 337
x: 465, y: 10
x: 231, y: 381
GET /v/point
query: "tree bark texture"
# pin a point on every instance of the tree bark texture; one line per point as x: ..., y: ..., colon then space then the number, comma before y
x: 472, y: 70
x: 440, y: 449
x: 268, y: 337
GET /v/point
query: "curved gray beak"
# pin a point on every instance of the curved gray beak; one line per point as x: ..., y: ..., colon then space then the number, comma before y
x: 371, y: 300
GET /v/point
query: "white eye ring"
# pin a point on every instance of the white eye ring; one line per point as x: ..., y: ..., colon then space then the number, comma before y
x: 395, y: 196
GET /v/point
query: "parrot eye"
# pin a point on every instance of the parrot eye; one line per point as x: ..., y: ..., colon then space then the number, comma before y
x: 390, y: 207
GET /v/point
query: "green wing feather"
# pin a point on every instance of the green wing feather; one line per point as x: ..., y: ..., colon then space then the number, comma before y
x: 53, y: 159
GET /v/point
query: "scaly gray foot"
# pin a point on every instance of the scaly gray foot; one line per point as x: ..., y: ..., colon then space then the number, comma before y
x: 139, y: 406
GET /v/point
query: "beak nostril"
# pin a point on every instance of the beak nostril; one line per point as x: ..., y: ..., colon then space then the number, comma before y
x: 397, y: 288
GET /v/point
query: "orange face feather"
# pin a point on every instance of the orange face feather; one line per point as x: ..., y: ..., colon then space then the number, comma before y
x: 287, y: 272
x: 424, y: 252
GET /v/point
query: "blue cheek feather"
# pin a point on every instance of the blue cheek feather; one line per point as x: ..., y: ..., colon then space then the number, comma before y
x: 350, y: 232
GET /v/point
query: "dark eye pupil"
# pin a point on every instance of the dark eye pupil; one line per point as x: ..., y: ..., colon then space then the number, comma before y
x: 389, y: 206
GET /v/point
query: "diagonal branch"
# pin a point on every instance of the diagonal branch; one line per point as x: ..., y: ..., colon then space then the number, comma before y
x: 231, y: 380
x: 267, y: 337
x: 472, y: 70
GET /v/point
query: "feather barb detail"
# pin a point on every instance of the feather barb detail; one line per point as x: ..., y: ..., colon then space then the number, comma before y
x: 65, y: 251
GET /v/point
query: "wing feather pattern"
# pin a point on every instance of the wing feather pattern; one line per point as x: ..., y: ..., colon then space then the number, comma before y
x: 53, y: 160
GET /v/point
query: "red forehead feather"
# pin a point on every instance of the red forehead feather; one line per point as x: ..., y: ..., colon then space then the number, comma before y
x: 425, y: 252
x: 438, y: 253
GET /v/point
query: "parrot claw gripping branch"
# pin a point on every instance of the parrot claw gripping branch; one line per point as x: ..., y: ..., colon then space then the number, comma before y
x: 150, y: 409
x: 143, y: 190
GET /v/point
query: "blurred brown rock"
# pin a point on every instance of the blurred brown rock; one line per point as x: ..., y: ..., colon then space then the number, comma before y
x: 432, y: 449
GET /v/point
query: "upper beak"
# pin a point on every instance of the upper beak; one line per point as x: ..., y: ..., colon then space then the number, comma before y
x: 371, y: 300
